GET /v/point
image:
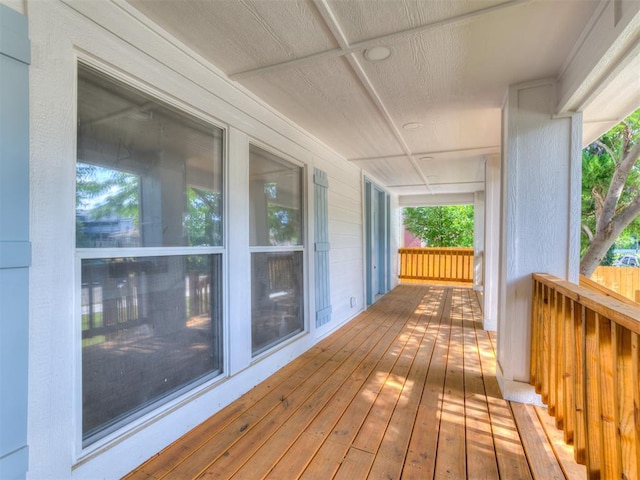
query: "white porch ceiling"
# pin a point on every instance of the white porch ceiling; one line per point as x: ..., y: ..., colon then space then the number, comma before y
x: 451, y: 64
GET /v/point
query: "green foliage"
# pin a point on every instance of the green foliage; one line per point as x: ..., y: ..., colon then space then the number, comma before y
x: 450, y: 226
x: 107, y: 192
x: 203, y: 220
x: 284, y: 225
x: 598, y: 168
x: 609, y: 258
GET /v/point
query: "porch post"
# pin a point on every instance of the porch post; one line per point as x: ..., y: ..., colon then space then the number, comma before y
x: 478, y: 241
x: 491, y: 241
x: 539, y: 218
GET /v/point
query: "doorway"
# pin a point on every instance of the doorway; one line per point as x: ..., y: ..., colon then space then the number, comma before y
x: 377, y: 242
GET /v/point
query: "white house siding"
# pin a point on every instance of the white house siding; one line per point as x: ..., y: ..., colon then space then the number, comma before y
x: 117, y: 40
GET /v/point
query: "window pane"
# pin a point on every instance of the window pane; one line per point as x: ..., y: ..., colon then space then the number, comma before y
x: 275, y: 199
x: 147, y: 175
x: 150, y: 326
x: 277, y: 298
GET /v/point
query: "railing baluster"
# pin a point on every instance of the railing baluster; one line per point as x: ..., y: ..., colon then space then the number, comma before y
x: 546, y: 350
x: 608, y: 386
x: 635, y: 385
x: 559, y: 360
x: 446, y: 264
x: 580, y: 436
x: 553, y: 354
x: 568, y: 355
x: 535, y: 329
x: 594, y: 424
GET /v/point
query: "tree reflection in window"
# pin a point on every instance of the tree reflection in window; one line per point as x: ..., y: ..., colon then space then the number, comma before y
x: 203, y: 220
x: 107, y: 207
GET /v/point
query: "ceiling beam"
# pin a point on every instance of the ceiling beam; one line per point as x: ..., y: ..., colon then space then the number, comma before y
x: 476, y: 150
x: 388, y: 40
x: 607, y: 45
x: 336, y: 30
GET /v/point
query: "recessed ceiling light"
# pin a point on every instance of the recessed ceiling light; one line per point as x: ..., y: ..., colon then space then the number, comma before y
x: 412, y: 125
x: 424, y: 159
x: 377, y: 54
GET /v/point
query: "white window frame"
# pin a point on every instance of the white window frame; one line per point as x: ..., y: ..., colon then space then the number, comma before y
x: 304, y: 233
x: 163, y: 408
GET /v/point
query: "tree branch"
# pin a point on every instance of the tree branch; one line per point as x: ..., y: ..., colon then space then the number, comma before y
x: 587, y: 231
x: 613, y: 156
x: 620, y: 174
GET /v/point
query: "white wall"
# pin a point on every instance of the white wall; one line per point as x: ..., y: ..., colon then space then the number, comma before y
x: 112, y: 37
x: 540, y: 218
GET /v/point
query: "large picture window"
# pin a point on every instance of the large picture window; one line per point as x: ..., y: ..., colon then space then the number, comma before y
x: 149, y: 247
x: 276, y: 226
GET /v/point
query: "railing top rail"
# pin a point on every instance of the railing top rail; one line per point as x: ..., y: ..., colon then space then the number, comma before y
x: 595, y: 286
x: 623, y: 314
x: 436, y: 250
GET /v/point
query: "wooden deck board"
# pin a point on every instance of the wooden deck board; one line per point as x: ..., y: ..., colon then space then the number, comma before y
x: 405, y: 390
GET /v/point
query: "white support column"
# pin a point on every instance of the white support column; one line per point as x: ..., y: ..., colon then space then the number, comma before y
x: 540, y: 205
x: 478, y: 241
x: 491, y: 241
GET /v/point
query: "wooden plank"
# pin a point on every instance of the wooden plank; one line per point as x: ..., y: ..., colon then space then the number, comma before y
x: 546, y: 347
x: 403, y: 352
x: 215, y: 446
x: 356, y: 464
x: 562, y: 451
x: 625, y: 393
x: 606, y: 288
x: 568, y: 355
x: 393, y: 449
x: 611, y: 465
x: 592, y: 396
x: 510, y: 456
x: 326, y: 462
x: 375, y: 424
x: 481, y: 458
x: 623, y: 314
x: 175, y: 453
x: 635, y: 366
x: 580, y: 423
x: 535, y: 332
x: 451, y: 453
x: 324, y: 423
x: 559, y: 348
x: 552, y: 354
x: 542, y: 460
x: 421, y: 455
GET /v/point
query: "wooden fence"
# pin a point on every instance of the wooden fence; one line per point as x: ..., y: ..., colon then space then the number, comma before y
x: 585, y: 363
x: 441, y: 264
x: 624, y: 280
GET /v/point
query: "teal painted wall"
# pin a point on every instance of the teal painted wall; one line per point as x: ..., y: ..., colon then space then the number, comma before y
x: 15, y: 248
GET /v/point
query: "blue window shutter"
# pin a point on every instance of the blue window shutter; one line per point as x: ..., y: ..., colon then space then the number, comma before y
x: 15, y: 248
x: 321, y: 248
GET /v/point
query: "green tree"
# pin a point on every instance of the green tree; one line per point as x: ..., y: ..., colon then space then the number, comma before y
x: 450, y: 226
x: 610, y: 191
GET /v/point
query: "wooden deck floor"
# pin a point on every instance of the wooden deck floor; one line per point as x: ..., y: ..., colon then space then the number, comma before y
x: 406, y: 390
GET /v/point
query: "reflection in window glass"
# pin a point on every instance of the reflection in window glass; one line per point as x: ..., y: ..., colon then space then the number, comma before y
x: 146, y: 174
x: 150, y: 327
x: 277, y: 298
x: 275, y: 198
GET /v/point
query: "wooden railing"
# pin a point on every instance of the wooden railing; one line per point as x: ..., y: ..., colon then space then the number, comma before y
x: 443, y: 264
x: 624, y: 280
x: 585, y: 363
